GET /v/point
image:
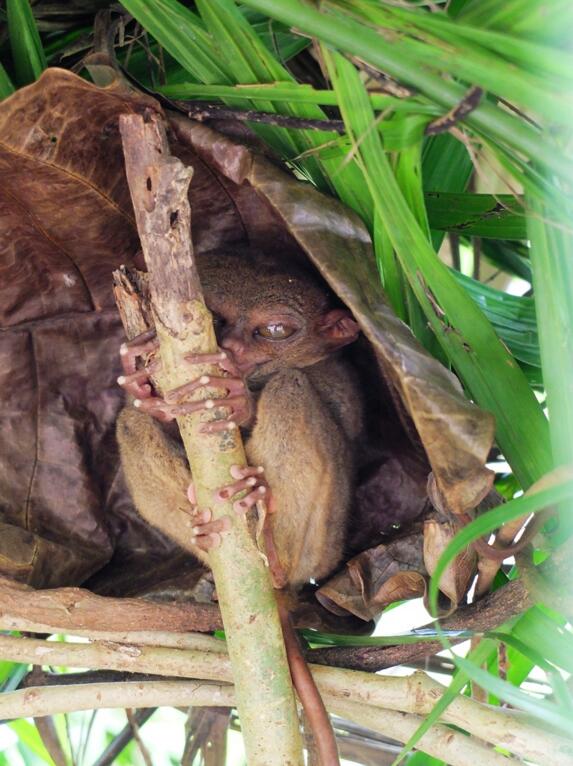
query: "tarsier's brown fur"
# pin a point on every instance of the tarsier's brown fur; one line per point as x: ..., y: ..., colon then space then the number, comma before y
x: 307, y: 413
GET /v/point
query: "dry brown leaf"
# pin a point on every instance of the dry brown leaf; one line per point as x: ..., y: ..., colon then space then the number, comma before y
x: 67, y: 223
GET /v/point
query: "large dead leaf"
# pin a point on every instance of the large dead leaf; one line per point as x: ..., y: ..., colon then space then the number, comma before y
x: 67, y: 223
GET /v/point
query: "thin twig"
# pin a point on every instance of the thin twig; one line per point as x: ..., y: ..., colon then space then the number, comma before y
x: 119, y: 743
x: 202, y: 112
x: 134, y: 725
x: 458, y: 113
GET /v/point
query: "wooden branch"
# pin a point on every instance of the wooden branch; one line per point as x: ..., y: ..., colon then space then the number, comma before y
x: 444, y: 743
x: 488, y: 613
x: 42, y: 700
x: 419, y: 693
x: 196, y: 641
x: 155, y: 660
x: 416, y: 694
x: 158, y: 184
x: 77, y: 611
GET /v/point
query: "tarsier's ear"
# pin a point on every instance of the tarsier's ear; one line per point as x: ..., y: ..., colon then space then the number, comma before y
x: 338, y: 327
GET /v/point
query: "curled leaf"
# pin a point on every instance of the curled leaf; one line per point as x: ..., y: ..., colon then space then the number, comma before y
x: 459, y: 574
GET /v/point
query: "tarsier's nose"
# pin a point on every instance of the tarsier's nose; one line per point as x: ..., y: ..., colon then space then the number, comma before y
x: 234, y: 344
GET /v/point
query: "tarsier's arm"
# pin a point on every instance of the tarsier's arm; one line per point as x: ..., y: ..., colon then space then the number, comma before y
x: 306, y: 460
x: 307, y: 464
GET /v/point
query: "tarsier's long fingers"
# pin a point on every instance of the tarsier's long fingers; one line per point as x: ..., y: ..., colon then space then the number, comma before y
x: 134, y: 381
x: 185, y: 408
x: 207, y: 533
x: 247, y: 478
x: 231, y: 386
x: 137, y: 383
x: 239, y: 411
x: 156, y: 407
x: 217, y: 358
x: 141, y: 344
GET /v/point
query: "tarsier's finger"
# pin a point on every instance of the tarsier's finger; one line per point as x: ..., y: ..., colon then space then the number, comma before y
x: 185, y: 408
x: 175, y: 394
x: 136, y: 384
x: 191, y: 496
x: 142, y: 344
x: 246, y: 476
x: 224, y: 493
x: 208, y: 536
x: 247, y: 502
x: 232, y: 386
x: 156, y: 407
x: 137, y: 390
x: 216, y: 358
x: 242, y: 472
x: 236, y: 404
x: 228, y: 365
x: 221, y: 358
x: 228, y: 385
x: 134, y: 381
x: 201, y: 518
x: 216, y: 426
x: 237, y: 415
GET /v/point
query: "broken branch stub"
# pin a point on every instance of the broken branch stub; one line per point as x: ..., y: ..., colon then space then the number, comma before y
x: 158, y: 184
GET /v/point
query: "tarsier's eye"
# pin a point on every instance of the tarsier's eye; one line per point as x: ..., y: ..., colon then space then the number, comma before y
x: 275, y: 331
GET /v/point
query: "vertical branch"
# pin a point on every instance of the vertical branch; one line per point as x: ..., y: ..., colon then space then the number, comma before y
x: 158, y: 183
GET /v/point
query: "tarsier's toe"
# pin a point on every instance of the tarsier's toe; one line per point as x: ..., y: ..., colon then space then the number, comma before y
x: 207, y: 542
x: 247, y: 478
x: 247, y: 502
x: 209, y: 535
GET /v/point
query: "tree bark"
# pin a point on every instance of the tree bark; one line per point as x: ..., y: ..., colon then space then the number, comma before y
x: 265, y: 700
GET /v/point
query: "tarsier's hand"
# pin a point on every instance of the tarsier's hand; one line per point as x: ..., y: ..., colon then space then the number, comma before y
x: 235, y: 395
x: 206, y: 532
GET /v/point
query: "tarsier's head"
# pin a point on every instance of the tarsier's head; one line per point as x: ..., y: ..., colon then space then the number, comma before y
x: 269, y: 315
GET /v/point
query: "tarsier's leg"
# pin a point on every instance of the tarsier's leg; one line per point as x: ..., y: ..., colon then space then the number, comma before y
x: 306, y: 459
x: 157, y: 475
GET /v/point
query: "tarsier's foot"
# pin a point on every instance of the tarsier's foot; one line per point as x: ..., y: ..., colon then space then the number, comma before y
x: 207, y: 532
x: 234, y: 393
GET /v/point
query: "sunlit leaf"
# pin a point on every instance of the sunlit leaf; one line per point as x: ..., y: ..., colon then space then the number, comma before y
x: 491, y: 520
x: 30, y: 737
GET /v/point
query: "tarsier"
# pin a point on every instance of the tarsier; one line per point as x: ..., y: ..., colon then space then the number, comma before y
x: 285, y: 383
